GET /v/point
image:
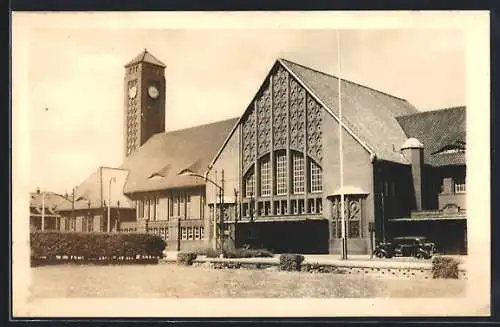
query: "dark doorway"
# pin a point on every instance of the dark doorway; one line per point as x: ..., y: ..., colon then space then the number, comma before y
x: 305, y: 237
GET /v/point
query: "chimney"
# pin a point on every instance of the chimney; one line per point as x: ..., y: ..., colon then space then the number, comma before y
x: 37, y: 190
x: 413, y: 150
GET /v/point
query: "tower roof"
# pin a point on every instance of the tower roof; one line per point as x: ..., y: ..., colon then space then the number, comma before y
x: 145, y: 56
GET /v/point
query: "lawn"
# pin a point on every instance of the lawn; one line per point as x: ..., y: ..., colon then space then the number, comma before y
x: 168, y: 280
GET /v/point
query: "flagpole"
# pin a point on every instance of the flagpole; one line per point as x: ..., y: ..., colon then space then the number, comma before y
x: 341, y: 155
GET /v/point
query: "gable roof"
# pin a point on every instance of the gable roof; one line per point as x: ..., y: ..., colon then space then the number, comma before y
x: 52, y: 202
x: 156, y: 163
x: 145, y: 56
x: 94, y: 190
x: 438, y: 130
x: 369, y: 115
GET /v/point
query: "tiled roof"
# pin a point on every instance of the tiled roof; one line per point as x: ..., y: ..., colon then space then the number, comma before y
x: 95, y: 190
x: 368, y: 113
x: 145, y: 56
x: 53, y: 201
x: 438, y: 129
x: 156, y: 164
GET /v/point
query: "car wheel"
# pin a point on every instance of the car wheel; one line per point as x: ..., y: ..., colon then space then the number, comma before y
x: 379, y: 254
x: 419, y: 255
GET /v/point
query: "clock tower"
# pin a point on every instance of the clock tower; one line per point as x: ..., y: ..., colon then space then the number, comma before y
x: 144, y: 100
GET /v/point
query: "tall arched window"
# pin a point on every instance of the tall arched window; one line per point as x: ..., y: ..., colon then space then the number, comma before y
x: 298, y: 173
x: 281, y: 174
x: 316, y: 177
x: 265, y: 176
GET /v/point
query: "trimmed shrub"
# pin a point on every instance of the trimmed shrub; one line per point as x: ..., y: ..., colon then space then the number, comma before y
x: 291, y: 262
x: 186, y: 258
x: 444, y: 267
x: 208, y: 251
x: 248, y: 253
x: 94, y: 245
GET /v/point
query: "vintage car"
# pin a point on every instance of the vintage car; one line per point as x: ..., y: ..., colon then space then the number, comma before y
x: 406, y: 246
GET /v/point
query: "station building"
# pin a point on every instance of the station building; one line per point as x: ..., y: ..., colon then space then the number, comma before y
x: 278, y: 163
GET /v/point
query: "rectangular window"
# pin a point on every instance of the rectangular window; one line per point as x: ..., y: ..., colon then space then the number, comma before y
x: 267, y: 208
x: 294, y: 207
x: 72, y: 224
x: 312, y: 205
x: 188, y: 206
x: 281, y: 169
x: 319, y: 206
x: 316, y: 178
x: 459, y: 184
x: 183, y: 233
x: 298, y: 173
x: 157, y: 207
x: 284, y: 207
x: 197, y: 233
x: 140, y: 208
x: 265, y: 177
x: 146, y: 208
x: 202, y: 232
x: 354, y: 229
x: 190, y: 233
x: 302, y: 207
x: 90, y: 224
x: 250, y: 185
x: 277, y: 210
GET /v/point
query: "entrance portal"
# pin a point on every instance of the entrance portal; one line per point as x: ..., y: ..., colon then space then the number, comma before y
x: 304, y: 237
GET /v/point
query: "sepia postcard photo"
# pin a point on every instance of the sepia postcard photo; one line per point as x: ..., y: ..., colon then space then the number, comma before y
x: 257, y: 164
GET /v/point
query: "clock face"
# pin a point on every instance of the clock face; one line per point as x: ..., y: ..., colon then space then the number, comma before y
x: 132, y: 92
x: 153, y: 92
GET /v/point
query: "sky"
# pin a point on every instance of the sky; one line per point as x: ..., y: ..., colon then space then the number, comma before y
x: 211, y: 74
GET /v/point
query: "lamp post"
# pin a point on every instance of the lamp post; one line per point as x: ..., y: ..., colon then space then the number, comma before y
x: 188, y: 172
x: 111, y: 180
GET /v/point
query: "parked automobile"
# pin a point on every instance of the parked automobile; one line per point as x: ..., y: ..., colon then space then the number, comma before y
x: 406, y: 246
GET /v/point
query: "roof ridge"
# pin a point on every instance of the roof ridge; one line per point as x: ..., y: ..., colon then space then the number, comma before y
x: 343, y: 79
x: 433, y: 111
x: 198, y: 126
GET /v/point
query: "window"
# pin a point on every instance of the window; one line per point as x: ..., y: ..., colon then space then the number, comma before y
x: 176, y: 206
x: 265, y: 177
x: 157, y: 206
x: 298, y: 173
x: 459, y: 184
x: 140, y: 211
x: 202, y: 232
x: 188, y: 205
x: 72, y: 224
x: 197, y: 233
x: 312, y: 205
x: 146, y: 208
x: 319, y: 206
x: 250, y: 185
x: 316, y: 180
x: 190, y: 233
x: 281, y: 180
x: 284, y: 207
x: 183, y: 233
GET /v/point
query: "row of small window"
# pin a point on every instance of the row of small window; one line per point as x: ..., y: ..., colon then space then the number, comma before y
x: 282, y: 172
x: 177, y: 205
x: 162, y: 232
x: 87, y: 224
x: 192, y: 233
x: 459, y: 184
x: 297, y: 207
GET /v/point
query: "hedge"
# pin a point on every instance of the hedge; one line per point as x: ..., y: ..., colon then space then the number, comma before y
x: 186, y: 258
x: 51, y: 244
x: 290, y: 262
x: 444, y: 267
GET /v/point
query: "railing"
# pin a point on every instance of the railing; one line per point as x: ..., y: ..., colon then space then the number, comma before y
x: 438, y: 214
